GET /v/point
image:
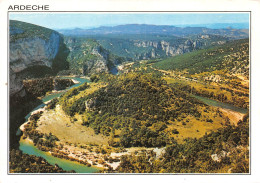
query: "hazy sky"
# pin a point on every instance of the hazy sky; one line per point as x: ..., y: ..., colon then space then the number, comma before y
x: 85, y: 20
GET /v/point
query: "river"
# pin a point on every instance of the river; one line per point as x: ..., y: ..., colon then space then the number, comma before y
x: 28, y: 147
x: 220, y: 104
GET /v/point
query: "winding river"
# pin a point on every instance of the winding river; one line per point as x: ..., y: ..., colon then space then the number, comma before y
x: 28, y: 147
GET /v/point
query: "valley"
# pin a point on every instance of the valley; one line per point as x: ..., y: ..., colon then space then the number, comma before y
x: 154, y: 103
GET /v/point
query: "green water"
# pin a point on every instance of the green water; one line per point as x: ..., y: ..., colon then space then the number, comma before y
x: 51, y: 96
x: 55, y: 95
x: 30, y: 149
x: 67, y: 165
x: 220, y: 104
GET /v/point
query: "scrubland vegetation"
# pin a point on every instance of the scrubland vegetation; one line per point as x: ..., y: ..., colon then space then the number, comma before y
x: 149, y: 105
x: 227, y: 57
x: 223, y: 151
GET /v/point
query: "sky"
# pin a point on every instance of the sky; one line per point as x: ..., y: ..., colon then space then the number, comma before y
x: 91, y: 20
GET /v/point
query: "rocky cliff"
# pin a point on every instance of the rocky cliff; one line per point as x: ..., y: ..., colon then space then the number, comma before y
x: 32, y: 51
x: 164, y: 48
x: 139, y: 47
x: 87, y: 56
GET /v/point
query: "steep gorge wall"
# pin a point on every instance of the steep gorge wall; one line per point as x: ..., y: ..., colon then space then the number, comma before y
x: 87, y: 56
x: 142, y: 47
x: 32, y: 51
x: 165, y: 48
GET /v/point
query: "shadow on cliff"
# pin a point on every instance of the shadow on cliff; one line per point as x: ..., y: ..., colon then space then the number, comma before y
x: 19, y: 107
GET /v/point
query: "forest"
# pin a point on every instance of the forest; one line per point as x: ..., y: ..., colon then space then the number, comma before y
x: 40, y: 86
x: 85, y: 54
x: 225, y: 150
x: 24, y: 30
x: 149, y: 107
x: 228, y: 56
x: 140, y: 105
x: 141, y: 111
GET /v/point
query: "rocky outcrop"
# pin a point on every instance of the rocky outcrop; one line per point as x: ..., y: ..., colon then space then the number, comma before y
x: 213, y: 78
x: 32, y: 46
x: 98, y: 64
x: 33, y: 51
x: 87, y: 56
x: 165, y: 47
x: 140, y: 47
x: 101, y: 64
x: 220, y: 156
x: 90, y: 104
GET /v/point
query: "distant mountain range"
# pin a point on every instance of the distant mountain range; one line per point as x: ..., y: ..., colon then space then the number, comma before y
x: 219, y: 25
x: 244, y: 25
x: 157, y: 29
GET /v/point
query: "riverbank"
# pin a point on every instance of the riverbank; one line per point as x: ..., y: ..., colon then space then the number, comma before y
x: 27, y: 146
x: 98, y: 157
x: 64, y: 136
x: 76, y: 143
x: 57, y: 93
x: 61, y: 149
x: 40, y: 109
x: 233, y: 113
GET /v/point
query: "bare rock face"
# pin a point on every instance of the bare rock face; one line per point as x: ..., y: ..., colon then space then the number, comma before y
x: 91, y: 104
x: 165, y: 46
x: 88, y: 57
x: 220, y: 156
x: 30, y: 47
x: 100, y: 65
x: 33, y: 51
x: 213, y: 78
x: 16, y: 84
x: 97, y: 65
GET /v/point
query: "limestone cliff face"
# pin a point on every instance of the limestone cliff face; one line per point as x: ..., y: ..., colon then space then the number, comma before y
x: 87, y: 56
x: 101, y: 64
x: 33, y: 51
x: 166, y: 47
x: 31, y: 46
